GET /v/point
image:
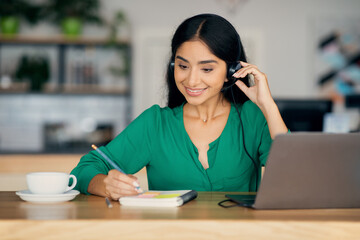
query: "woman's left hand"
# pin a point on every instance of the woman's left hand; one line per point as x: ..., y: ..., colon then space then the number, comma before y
x: 260, y: 92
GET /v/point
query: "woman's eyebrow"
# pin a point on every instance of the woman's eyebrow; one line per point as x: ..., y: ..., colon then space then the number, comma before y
x: 181, y: 58
x: 208, y: 61
x: 200, y: 62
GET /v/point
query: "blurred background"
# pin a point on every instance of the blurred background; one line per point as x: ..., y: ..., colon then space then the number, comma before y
x: 76, y: 72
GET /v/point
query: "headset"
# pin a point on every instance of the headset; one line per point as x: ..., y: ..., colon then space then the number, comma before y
x: 231, y: 69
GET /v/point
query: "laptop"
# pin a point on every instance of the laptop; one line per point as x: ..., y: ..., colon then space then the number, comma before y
x: 309, y: 170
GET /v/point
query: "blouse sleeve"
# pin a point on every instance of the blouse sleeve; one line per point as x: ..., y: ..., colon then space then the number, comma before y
x: 265, y: 144
x: 130, y: 150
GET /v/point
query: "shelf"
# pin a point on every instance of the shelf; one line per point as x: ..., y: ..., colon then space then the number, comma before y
x: 24, y: 88
x: 74, y: 92
x: 83, y: 89
x: 73, y: 78
x: 89, y: 85
x: 59, y: 40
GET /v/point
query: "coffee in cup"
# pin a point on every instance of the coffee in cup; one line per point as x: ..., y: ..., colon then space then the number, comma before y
x: 49, y: 182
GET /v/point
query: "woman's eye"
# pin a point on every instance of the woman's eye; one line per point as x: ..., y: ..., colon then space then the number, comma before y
x: 182, y: 66
x: 207, y: 70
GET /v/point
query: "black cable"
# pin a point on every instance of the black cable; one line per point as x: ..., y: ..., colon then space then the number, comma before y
x: 243, y: 136
x: 232, y: 204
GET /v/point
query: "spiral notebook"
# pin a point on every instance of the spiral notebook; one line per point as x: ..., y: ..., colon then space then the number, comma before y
x: 159, y: 198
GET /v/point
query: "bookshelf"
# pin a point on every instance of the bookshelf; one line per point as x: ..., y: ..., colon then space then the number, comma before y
x: 81, y: 65
x: 87, y: 97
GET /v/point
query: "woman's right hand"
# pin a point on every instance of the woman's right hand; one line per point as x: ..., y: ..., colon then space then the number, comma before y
x: 119, y: 185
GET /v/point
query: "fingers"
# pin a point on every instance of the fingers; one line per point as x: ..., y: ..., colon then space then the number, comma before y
x: 242, y: 86
x: 244, y: 64
x: 118, y: 185
x: 259, y: 91
x: 249, y: 69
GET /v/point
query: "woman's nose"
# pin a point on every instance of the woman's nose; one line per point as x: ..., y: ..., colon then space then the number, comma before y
x: 193, y: 79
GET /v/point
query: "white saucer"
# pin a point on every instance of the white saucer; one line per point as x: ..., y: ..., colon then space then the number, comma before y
x: 47, y: 198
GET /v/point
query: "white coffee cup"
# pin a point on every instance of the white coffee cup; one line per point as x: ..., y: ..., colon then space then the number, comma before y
x: 49, y: 182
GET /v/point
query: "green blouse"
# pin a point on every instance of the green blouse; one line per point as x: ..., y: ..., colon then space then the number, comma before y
x: 158, y: 140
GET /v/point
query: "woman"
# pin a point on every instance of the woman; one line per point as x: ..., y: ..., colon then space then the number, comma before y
x: 211, y: 137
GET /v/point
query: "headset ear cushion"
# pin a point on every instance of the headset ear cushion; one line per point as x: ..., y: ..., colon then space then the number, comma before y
x: 233, y: 68
x: 171, y: 66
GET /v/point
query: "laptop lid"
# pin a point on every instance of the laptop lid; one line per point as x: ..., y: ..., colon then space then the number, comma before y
x: 311, y: 170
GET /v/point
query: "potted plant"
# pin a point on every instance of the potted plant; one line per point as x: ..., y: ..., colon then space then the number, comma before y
x: 13, y: 11
x: 35, y: 70
x: 70, y: 15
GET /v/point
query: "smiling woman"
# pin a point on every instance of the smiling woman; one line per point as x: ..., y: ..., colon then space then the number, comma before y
x: 211, y: 137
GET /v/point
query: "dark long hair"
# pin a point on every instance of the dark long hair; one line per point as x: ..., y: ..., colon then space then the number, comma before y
x: 223, y: 41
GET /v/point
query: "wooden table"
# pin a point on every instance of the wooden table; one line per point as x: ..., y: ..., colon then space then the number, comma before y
x: 87, y: 217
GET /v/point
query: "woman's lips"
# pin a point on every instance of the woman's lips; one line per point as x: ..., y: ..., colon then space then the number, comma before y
x: 195, y: 91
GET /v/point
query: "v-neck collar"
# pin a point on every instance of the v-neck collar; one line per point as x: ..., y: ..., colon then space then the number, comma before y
x: 213, y: 143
